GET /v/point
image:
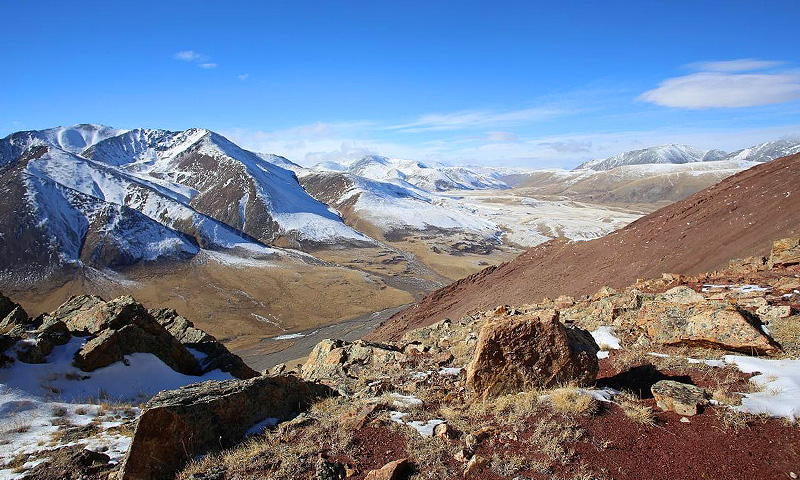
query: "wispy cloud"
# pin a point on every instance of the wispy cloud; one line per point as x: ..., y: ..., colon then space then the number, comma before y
x: 243, y: 76
x: 199, y: 59
x: 726, y: 85
x: 568, y: 146
x: 476, y: 119
x: 740, y: 65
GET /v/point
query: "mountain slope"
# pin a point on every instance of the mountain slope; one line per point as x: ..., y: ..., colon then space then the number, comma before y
x: 660, y: 154
x: 738, y: 217
x: 228, y: 183
x: 764, y: 152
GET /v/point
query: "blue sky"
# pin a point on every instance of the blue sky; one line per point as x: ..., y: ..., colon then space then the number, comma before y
x: 535, y: 84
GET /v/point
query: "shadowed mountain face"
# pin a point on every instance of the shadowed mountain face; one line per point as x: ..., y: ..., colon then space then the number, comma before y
x: 737, y: 217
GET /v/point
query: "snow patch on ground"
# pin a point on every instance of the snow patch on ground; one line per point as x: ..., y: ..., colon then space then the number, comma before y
x: 779, y: 381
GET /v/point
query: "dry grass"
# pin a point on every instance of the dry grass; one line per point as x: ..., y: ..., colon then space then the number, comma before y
x: 429, y: 455
x: 633, y: 408
x: 509, y: 464
x: 572, y: 401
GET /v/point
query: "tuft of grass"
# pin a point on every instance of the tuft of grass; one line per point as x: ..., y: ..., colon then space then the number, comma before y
x: 633, y: 408
x: 572, y: 401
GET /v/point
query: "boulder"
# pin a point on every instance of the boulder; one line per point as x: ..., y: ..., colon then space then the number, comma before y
x: 6, y: 306
x: 113, y: 344
x: 16, y: 316
x: 770, y: 312
x: 785, y: 252
x: 177, y: 425
x: 334, y: 361
x: 681, y: 398
x: 531, y: 351
x: 217, y: 356
x: 682, y: 295
x: 391, y: 471
x: 713, y: 325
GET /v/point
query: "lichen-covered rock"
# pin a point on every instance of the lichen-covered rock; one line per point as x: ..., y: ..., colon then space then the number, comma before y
x: 712, y: 325
x: 74, y: 306
x: 531, y: 351
x: 177, y: 425
x: 785, y: 252
x: 681, y: 398
x: 334, y: 361
x: 682, y: 295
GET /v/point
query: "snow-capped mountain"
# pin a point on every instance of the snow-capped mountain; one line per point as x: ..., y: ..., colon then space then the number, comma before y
x: 392, y: 204
x: 660, y: 154
x: 74, y: 139
x: 764, y: 152
x: 146, y: 194
x: 428, y: 177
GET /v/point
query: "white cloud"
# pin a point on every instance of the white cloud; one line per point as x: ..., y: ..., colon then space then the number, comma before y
x: 188, y: 56
x: 501, y: 137
x: 476, y: 118
x: 725, y: 90
x: 727, y: 84
x: 199, y: 59
x: 740, y: 65
x: 569, y: 145
x: 243, y: 76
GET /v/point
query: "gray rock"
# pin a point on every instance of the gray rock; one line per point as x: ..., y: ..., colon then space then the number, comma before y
x: 177, y: 425
x: 681, y: 398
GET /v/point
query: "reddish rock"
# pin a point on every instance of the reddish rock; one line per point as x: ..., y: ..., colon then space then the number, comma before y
x: 391, y: 471
x: 531, y: 351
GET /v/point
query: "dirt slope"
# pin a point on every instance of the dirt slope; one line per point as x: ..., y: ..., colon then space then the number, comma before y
x: 737, y: 217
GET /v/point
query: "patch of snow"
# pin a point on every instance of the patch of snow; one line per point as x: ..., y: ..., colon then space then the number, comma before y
x: 779, y: 381
x: 259, y: 427
x: 453, y: 371
x: 605, y: 338
x: 400, y: 400
x: 425, y: 429
x: 288, y: 336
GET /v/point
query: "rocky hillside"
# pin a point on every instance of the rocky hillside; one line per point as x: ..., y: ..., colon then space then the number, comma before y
x: 736, y: 218
x: 611, y: 385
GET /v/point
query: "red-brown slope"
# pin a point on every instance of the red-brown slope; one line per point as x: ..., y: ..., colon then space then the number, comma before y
x: 735, y: 218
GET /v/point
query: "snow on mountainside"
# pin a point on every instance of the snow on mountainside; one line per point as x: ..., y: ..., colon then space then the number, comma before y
x: 659, y: 154
x: 764, y: 152
x: 432, y: 178
x: 146, y: 194
x: 73, y: 139
x: 228, y: 183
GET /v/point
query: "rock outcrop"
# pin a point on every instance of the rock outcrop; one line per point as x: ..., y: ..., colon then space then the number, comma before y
x: 714, y: 325
x: 123, y: 326
x: 217, y: 356
x: 177, y: 425
x: 785, y: 252
x: 516, y: 353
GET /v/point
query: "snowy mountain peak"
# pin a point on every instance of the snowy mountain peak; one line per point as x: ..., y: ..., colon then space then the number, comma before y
x: 659, y: 154
x: 764, y: 152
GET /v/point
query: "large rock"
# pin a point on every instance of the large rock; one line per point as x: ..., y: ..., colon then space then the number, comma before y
x: 113, y: 344
x: 530, y: 351
x: 682, y: 295
x: 177, y: 425
x: 217, y: 356
x: 74, y: 306
x: 91, y: 315
x: 333, y: 361
x: 785, y: 252
x: 681, y: 398
x: 16, y: 316
x: 713, y: 325
x: 6, y: 306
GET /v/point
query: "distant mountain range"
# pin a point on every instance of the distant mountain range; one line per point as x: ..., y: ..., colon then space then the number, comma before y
x: 106, y: 197
x: 680, y: 154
